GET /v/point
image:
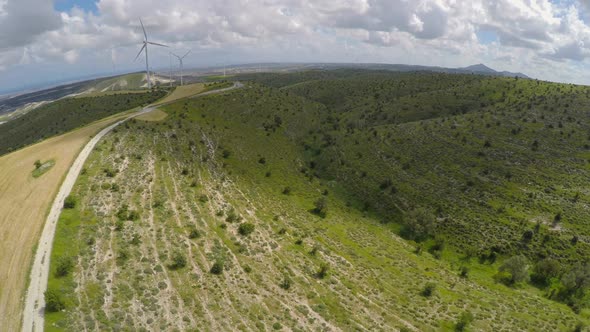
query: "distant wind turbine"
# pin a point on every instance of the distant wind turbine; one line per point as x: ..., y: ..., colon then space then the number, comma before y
x: 180, y: 58
x: 145, y: 47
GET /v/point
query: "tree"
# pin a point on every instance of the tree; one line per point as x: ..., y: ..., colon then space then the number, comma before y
x: 70, y: 202
x: 546, y: 269
x: 38, y: 164
x: 518, y: 268
x: 419, y: 224
x: 321, y: 207
x: 53, y: 301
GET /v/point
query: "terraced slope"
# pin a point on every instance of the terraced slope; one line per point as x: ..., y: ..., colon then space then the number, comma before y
x: 214, y: 218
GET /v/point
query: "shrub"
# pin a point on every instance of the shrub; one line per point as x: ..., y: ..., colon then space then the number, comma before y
x: 321, y: 207
x: 70, y: 202
x: 38, y: 164
x: 178, y: 261
x: 429, y: 289
x: 63, y: 266
x: 464, y: 320
x: 246, y: 228
x: 323, y: 271
x: 53, y: 301
x: 226, y: 154
x: 217, y: 267
x: 286, y: 282
x: 287, y: 190
x: 194, y: 234
x: 464, y: 273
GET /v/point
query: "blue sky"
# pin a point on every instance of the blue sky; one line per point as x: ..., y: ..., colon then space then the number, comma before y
x: 67, y: 5
x: 46, y: 41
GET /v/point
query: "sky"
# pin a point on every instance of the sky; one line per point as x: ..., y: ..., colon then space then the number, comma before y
x: 44, y: 41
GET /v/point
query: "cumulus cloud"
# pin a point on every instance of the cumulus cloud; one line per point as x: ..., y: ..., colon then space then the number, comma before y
x: 432, y: 32
x: 21, y: 21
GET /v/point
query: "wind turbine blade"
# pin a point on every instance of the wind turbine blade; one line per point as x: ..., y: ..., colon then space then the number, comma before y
x: 145, y: 34
x: 186, y: 54
x: 138, y: 54
x: 157, y: 44
x: 175, y: 55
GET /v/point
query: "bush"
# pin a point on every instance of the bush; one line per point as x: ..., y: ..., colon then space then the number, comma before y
x: 194, y: 234
x: 323, y: 271
x: 178, y: 261
x: 286, y: 282
x: 217, y: 267
x: 464, y: 272
x: 464, y: 320
x: 53, y: 301
x: 70, y: 202
x: 321, y: 207
x: 63, y: 266
x: 286, y: 190
x: 429, y: 289
x: 38, y: 164
x: 246, y: 228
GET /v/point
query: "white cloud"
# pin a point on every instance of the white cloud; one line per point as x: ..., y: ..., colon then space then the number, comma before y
x: 529, y: 33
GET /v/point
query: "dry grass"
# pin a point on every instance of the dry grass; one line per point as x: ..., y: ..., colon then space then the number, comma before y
x: 24, y: 204
x: 183, y: 92
x: 155, y: 115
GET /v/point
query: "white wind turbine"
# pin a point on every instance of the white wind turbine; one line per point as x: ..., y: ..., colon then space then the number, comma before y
x: 180, y: 60
x: 145, y: 47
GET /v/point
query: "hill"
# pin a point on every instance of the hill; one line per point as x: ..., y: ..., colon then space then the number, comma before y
x: 347, y: 199
x: 64, y: 115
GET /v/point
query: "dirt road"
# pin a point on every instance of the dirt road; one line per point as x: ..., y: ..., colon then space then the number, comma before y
x: 33, y: 316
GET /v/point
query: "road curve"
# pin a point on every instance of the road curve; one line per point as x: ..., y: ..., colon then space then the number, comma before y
x: 34, y: 311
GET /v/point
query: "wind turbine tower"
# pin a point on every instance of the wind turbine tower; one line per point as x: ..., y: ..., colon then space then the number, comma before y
x: 145, y: 47
x: 180, y: 58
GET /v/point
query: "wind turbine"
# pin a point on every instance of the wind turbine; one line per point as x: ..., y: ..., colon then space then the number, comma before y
x: 180, y: 60
x: 145, y: 46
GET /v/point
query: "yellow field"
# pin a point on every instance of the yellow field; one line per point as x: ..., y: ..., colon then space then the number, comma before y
x: 24, y: 204
x: 183, y: 91
x: 155, y: 115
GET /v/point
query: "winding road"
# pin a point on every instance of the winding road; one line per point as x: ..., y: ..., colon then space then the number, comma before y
x: 34, y: 311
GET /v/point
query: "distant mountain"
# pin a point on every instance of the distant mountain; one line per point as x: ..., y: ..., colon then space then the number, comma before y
x: 483, y: 69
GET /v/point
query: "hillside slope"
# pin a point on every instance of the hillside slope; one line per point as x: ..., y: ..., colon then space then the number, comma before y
x: 230, y: 213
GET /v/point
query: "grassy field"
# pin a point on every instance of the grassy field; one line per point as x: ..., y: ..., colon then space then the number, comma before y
x: 230, y: 213
x: 24, y: 201
x: 184, y: 91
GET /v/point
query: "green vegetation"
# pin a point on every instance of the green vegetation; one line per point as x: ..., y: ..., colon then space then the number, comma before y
x: 428, y: 185
x: 64, y: 115
x: 42, y: 168
x: 70, y: 202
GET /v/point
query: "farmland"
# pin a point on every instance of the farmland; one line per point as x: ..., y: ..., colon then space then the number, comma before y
x: 24, y: 202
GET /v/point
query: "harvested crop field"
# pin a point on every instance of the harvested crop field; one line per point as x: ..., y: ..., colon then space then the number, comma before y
x: 24, y: 203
